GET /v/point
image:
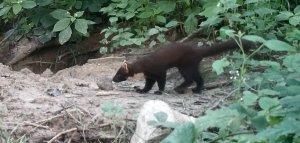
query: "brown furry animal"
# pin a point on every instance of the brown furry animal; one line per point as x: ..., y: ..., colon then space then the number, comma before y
x: 185, y: 56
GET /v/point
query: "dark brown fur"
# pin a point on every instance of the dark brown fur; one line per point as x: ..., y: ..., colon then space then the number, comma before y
x: 185, y: 56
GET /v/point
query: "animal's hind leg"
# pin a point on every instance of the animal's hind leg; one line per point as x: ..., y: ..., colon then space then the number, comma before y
x: 161, y: 82
x: 199, y: 82
x: 187, y: 74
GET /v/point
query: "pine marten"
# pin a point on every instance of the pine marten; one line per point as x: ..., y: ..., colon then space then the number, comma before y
x: 185, y: 56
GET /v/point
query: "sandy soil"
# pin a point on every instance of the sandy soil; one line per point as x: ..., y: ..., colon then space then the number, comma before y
x: 38, y: 107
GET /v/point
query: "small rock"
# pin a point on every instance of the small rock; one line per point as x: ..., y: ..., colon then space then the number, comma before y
x: 47, y: 73
x: 26, y: 71
x: 104, y: 83
x: 54, y: 92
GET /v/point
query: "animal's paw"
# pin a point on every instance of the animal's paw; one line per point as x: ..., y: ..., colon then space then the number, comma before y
x: 196, y: 90
x: 138, y: 90
x: 158, y: 92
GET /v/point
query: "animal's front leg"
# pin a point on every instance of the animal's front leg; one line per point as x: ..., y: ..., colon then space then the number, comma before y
x: 161, y: 82
x: 148, y: 86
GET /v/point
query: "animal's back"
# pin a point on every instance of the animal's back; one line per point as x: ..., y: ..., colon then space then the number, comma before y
x: 174, y: 54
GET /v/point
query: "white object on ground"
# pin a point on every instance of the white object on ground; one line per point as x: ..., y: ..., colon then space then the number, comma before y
x: 145, y: 132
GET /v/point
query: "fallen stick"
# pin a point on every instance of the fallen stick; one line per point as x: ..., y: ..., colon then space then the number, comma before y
x: 61, y: 133
x: 35, y: 125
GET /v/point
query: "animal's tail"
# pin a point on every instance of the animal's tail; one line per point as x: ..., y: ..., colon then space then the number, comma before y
x: 224, y: 46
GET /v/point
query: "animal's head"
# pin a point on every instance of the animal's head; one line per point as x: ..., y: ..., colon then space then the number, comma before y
x: 123, y: 73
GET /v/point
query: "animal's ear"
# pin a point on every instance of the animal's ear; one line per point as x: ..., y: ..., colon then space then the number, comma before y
x: 125, y: 66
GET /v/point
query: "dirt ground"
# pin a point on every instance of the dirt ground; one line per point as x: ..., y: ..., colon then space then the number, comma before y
x: 36, y: 108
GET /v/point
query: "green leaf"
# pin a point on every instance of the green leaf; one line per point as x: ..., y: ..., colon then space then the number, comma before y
x: 185, y: 133
x: 292, y: 90
x: 266, y: 103
x: 171, y: 24
x: 78, y: 14
x: 81, y: 26
x: 17, y: 8
x: 47, y: 21
x: 152, y: 123
x: 277, y: 45
x: 65, y: 35
x: 190, y: 24
x: 166, y: 6
x: 273, y: 134
x: 264, y: 11
x: 44, y: 2
x: 60, y: 14
x: 152, y: 43
x: 28, y: 4
x: 249, y: 98
x: 295, y: 20
x: 122, y: 4
x: 251, y: 1
x: 145, y: 14
x: 291, y: 102
x: 161, y: 116
x: 292, y: 62
x: 270, y: 64
x: 112, y: 109
x: 161, y: 19
x: 220, y: 118
x: 254, y: 38
x: 219, y: 65
x: 214, y: 20
x: 161, y: 38
x: 264, y: 92
x: 297, y: 9
x: 103, y: 50
x: 284, y: 15
x: 129, y: 15
x: 4, y: 10
x: 211, y: 11
x: 259, y: 122
x: 62, y: 24
x: 152, y: 31
x: 136, y: 41
x: 225, y: 31
x: 113, y: 19
x: 45, y: 37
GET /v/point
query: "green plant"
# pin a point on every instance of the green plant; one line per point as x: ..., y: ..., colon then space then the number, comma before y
x: 46, y: 18
x: 135, y: 22
x: 112, y: 111
x: 5, y: 137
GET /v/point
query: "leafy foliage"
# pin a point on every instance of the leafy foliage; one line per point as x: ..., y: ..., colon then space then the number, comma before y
x: 112, y: 110
x: 266, y: 80
x: 47, y: 18
x: 135, y: 22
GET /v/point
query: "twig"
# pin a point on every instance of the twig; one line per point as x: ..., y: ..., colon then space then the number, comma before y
x: 49, y: 119
x: 71, y: 116
x: 221, y: 100
x: 119, y: 134
x: 192, y: 34
x: 15, y: 128
x: 25, y: 123
x: 105, y: 125
x: 84, y: 110
x: 61, y: 133
x: 217, y: 84
x: 36, y: 125
x: 70, y: 139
